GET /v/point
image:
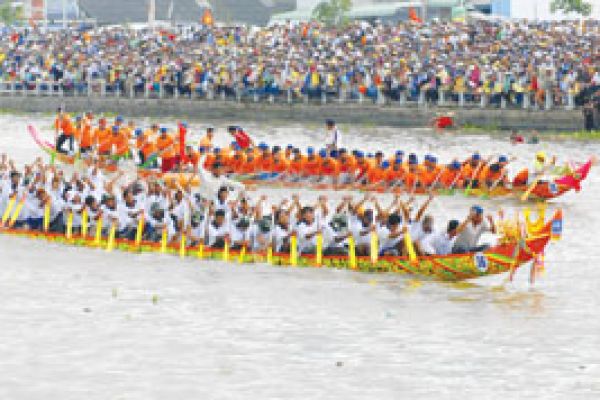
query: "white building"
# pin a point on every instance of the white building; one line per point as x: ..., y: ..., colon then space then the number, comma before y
x: 537, y: 10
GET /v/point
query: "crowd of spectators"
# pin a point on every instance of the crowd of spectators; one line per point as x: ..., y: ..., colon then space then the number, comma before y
x: 506, y: 62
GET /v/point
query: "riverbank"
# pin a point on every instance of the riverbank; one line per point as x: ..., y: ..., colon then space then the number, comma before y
x: 361, y: 114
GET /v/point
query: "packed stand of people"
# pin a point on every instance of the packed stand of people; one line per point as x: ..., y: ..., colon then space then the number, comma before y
x: 91, y: 199
x: 508, y: 60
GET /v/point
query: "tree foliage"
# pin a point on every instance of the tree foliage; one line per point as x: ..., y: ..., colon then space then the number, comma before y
x: 332, y: 12
x: 9, y: 14
x: 576, y: 6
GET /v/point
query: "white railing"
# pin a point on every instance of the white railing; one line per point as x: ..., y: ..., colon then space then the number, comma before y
x: 318, y: 96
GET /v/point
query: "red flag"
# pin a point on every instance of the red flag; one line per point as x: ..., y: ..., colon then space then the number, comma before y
x: 207, y: 17
x: 182, y: 133
x: 412, y: 15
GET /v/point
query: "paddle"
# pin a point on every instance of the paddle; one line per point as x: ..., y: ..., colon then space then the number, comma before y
x: 525, y: 195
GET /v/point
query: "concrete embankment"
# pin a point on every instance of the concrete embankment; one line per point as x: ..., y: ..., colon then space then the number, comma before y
x: 389, y: 115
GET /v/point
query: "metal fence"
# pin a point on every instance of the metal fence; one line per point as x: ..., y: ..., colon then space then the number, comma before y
x: 99, y: 88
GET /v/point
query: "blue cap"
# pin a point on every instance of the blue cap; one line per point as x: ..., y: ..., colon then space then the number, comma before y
x: 427, y: 157
x: 289, y: 147
x: 385, y: 164
x: 310, y: 150
x: 263, y: 146
x: 455, y: 165
x: 119, y: 118
x: 476, y: 157
x: 360, y: 154
x: 115, y: 128
x: 477, y: 209
x: 217, y: 150
x: 333, y: 154
x: 502, y: 159
x: 399, y: 153
x: 323, y: 153
x: 138, y: 132
x: 163, y: 130
x: 370, y: 155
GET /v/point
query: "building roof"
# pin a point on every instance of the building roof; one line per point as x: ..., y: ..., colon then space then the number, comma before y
x: 107, y: 12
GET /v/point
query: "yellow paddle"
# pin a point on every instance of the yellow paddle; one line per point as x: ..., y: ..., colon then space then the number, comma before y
x: 163, y: 241
x: 84, y: 223
x: 351, y: 252
x: 319, y: 250
x: 270, y: 255
x: 242, y: 255
x: 182, y: 246
x: 408, y: 243
x: 200, y: 253
x: 525, y: 195
x: 111, y: 237
x: 69, y: 233
x: 293, y: 251
x: 46, y: 217
x: 9, y: 207
x: 139, y: 231
x: 226, y: 251
x: 15, y: 216
x: 98, y: 235
x: 374, y: 248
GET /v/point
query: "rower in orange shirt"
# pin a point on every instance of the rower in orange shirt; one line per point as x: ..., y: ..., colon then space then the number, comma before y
x: 146, y: 147
x: 376, y: 175
x: 494, y: 174
x: 413, y: 176
x: 329, y: 168
x: 165, y: 144
x: 102, y: 138
x: 469, y: 168
x: 280, y: 164
x: 362, y: 168
x: 311, y: 165
x: 249, y: 166
x: 264, y: 160
x: 86, y: 137
x: 430, y: 172
x: 206, y: 141
x: 65, y: 130
x: 119, y: 143
x: 451, y: 176
x: 395, y: 174
x: 295, y: 166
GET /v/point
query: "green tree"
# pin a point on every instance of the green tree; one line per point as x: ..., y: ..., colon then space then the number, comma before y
x: 332, y: 12
x: 577, y: 6
x: 9, y: 14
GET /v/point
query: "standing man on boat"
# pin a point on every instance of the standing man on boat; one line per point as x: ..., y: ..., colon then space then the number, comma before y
x: 64, y: 131
x: 334, y: 136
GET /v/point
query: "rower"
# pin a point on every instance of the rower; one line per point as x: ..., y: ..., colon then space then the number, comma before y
x: 65, y: 131
x: 467, y: 241
x: 206, y: 141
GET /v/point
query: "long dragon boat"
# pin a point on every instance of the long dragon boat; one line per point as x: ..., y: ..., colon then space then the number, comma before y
x: 516, y: 248
x: 541, y: 191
